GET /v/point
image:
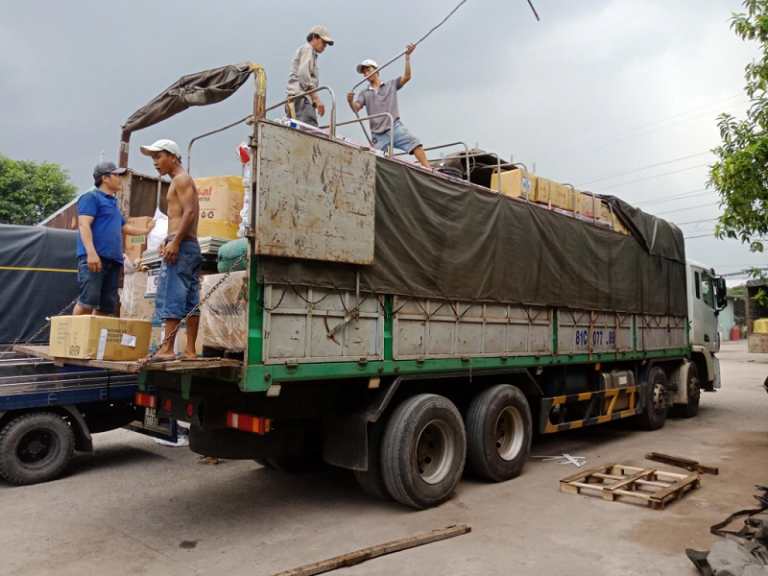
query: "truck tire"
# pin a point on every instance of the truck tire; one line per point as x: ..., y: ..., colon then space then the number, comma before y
x: 654, y: 412
x: 35, y: 447
x: 372, y: 480
x: 499, y: 432
x: 423, y: 451
x: 690, y: 408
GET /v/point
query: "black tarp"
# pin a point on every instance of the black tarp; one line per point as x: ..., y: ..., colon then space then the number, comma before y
x: 38, y: 278
x: 200, y: 89
x: 439, y: 239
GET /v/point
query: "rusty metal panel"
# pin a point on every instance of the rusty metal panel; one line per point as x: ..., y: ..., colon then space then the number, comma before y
x: 441, y: 329
x: 315, y: 325
x: 315, y: 197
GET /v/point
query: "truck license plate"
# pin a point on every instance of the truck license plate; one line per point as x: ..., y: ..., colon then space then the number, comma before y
x: 150, y: 418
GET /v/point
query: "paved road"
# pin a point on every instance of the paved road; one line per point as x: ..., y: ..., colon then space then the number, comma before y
x: 128, y: 508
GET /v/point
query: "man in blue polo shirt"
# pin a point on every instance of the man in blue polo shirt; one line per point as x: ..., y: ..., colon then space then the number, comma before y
x: 100, y: 242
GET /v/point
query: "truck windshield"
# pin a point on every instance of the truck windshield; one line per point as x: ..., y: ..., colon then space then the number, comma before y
x: 707, y: 291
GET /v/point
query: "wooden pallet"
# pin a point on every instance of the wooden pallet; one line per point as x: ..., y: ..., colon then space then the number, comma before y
x: 644, y: 486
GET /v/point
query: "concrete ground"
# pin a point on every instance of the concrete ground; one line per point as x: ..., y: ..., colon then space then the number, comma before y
x: 135, y: 507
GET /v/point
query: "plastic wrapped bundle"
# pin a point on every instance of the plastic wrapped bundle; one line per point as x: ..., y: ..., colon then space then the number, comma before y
x: 223, y: 317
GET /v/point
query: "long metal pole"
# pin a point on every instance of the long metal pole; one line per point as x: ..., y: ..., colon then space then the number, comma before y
x: 380, y: 68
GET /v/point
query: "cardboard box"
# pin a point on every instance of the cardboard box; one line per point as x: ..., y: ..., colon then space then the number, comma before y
x: 134, y: 246
x: 588, y: 205
x: 221, y: 200
x: 561, y: 196
x: 543, y: 191
x: 99, y: 338
x: 514, y: 183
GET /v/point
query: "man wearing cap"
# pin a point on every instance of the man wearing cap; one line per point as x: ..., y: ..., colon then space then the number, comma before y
x: 381, y: 97
x: 305, y: 76
x: 100, y: 242
x: 178, y: 287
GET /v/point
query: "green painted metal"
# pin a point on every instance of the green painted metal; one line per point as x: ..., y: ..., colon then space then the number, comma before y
x: 186, y: 384
x: 143, y: 380
x: 255, y: 317
x: 389, y: 327
x: 634, y: 332
x: 259, y: 378
x: 554, y: 331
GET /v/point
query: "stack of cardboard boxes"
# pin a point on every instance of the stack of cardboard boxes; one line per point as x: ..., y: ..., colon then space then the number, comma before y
x: 221, y: 200
x: 555, y: 196
x: 134, y: 246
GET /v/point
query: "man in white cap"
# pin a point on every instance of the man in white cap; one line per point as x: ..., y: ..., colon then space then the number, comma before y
x: 305, y: 76
x: 178, y: 288
x: 100, y: 242
x: 381, y: 97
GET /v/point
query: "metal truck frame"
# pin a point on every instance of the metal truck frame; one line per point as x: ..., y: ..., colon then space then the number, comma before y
x: 425, y: 386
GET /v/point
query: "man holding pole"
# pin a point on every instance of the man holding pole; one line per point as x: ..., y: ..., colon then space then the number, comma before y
x: 381, y: 97
x: 305, y: 76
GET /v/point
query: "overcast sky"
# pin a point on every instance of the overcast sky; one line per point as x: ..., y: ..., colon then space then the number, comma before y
x: 597, y: 89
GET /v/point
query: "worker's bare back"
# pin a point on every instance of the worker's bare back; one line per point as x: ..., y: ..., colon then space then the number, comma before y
x: 182, y: 198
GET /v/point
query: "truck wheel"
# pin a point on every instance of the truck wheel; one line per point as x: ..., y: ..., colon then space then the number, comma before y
x: 423, y: 451
x: 372, y: 480
x: 499, y: 432
x: 35, y: 447
x: 656, y: 400
x: 691, y: 408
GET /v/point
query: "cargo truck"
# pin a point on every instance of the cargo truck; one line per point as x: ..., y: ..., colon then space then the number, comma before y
x: 404, y: 324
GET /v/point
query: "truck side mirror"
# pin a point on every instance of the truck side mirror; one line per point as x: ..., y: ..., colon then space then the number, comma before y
x: 721, y: 292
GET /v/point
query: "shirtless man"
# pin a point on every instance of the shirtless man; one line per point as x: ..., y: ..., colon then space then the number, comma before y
x: 178, y: 289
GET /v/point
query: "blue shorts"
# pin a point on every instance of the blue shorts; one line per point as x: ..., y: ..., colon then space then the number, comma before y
x: 178, y: 288
x: 404, y: 140
x: 98, y: 290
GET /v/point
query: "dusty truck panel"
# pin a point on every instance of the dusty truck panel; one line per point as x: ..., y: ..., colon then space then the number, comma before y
x: 315, y: 198
x: 315, y: 325
x: 427, y: 328
x: 581, y: 331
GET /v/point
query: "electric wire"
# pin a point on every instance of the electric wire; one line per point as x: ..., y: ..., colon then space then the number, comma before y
x: 650, y: 177
x: 597, y: 141
x: 644, y: 168
x: 557, y: 159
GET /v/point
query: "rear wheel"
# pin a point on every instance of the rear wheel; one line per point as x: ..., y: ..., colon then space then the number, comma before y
x: 499, y: 433
x: 690, y: 408
x: 35, y: 447
x: 656, y: 400
x: 423, y: 451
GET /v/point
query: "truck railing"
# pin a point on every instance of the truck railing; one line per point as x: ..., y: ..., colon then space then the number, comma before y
x: 440, y: 147
x: 382, y: 115
x: 245, y: 120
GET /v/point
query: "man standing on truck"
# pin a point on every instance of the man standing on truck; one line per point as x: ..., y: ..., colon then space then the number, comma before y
x: 178, y: 288
x: 100, y: 242
x: 381, y: 97
x: 305, y: 76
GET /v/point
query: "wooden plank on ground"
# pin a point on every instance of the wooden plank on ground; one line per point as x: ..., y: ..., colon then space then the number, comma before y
x: 682, y: 462
x: 582, y: 475
x: 611, y: 488
x: 132, y: 366
x: 662, y: 494
x: 354, y: 558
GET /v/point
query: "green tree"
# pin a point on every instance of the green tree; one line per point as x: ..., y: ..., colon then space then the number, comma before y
x: 30, y: 192
x: 740, y: 175
x: 737, y: 291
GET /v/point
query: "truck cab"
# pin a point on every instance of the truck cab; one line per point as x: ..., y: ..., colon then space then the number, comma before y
x: 706, y: 298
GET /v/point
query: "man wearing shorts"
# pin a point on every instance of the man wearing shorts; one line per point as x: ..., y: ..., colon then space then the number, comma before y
x: 381, y: 97
x: 100, y: 242
x: 178, y: 288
